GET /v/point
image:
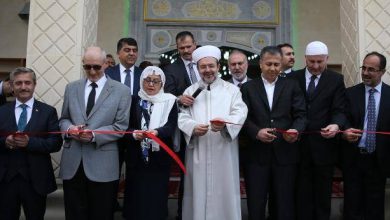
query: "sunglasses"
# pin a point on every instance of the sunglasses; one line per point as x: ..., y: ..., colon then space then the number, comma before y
x: 94, y: 67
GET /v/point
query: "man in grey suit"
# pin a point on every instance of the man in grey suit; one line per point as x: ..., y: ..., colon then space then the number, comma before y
x: 238, y: 67
x: 89, y: 163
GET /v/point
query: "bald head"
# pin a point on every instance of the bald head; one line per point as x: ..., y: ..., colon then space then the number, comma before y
x: 93, y: 60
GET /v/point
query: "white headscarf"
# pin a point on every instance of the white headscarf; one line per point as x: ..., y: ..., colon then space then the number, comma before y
x: 162, y: 102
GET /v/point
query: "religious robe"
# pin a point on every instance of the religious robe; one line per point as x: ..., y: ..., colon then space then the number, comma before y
x: 212, y: 184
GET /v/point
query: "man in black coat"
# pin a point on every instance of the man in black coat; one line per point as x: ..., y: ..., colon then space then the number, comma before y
x: 26, y: 172
x: 179, y: 75
x: 325, y: 99
x: 270, y: 165
x: 366, y: 156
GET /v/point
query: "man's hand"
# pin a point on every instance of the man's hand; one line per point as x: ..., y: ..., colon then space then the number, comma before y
x: 352, y: 134
x: 217, y: 124
x: 20, y: 140
x: 291, y: 135
x: 86, y: 136
x: 200, y: 130
x: 330, y: 131
x: 138, y: 135
x: 10, y: 142
x: 266, y: 135
x: 186, y: 100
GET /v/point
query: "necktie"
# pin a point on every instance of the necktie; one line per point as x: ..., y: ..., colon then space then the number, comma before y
x: 371, y: 122
x: 128, y: 78
x: 23, y: 118
x: 192, y: 73
x: 239, y: 85
x: 91, y: 98
x: 312, y: 86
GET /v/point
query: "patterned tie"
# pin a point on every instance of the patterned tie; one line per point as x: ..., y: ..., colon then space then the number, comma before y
x: 128, y: 78
x: 192, y: 73
x: 371, y: 122
x: 91, y: 98
x: 312, y: 86
x: 23, y: 118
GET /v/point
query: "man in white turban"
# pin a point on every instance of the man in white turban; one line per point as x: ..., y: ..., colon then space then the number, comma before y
x: 325, y: 100
x: 211, y: 126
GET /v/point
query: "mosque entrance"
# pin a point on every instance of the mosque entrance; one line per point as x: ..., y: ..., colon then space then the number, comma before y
x: 253, y: 61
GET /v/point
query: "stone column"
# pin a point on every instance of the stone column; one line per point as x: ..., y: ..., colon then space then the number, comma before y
x: 365, y: 27
x: 57, y: 35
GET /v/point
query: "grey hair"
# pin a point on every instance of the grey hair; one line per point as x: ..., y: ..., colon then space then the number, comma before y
x: 20, y: 70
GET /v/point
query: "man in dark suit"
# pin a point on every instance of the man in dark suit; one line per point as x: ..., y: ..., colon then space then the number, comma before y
x: 272, y: 156
x: 179, y: 75
x: 325, y: 99
x: 238, y: 67
x: 366, y: 156
x: 26, y: 172
x: 128, y: 74
x: 288, y: 58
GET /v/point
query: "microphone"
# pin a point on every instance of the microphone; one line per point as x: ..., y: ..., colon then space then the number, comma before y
x: 197, y: 92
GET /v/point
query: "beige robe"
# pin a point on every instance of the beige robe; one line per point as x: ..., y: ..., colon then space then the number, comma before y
x: 212, y: 185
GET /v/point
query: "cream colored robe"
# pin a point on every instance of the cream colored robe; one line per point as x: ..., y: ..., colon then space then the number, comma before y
x: 212, y: 185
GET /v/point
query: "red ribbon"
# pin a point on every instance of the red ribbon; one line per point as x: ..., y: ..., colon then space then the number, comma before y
x: 223, y: 122
x: 147, y: 134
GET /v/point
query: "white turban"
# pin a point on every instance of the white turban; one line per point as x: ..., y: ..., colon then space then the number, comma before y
x: 206, y: 51
x: 316, y: 48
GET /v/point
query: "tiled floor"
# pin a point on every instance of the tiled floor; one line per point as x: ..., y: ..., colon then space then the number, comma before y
x: 55, y: 210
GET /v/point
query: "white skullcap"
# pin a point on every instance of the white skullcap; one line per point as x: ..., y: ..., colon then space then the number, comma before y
x: 206, y: 51
x: 316, y: 48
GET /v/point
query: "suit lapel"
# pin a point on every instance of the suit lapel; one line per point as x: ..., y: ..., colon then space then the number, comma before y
x: 385, y: 93
x: 80, y: 96
x: 12, y: 118
x: 278, y: 90
x: 35, y: 112
x: 323, y: 80
x: 136, y: 84
x: 263, y: 94
x: 361, y: 104
x: 103, y: 95
x: 184, y: 71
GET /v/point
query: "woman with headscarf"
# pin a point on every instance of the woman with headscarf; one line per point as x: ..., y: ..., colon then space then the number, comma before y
x: 146, y: 192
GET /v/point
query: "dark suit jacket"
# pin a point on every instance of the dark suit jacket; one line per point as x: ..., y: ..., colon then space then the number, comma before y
x: 288, y: 111
x: 165, y: 133
x: 3, y: 99
x: 326, y: 106
x: 43, y: 119
x: 177, y: 79
x: 355, y: 111
x: 114, y: 73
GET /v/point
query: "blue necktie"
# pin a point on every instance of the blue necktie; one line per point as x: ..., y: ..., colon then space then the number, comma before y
x: 371, y: 122
x: 127, y: 78
x: 23, y: 118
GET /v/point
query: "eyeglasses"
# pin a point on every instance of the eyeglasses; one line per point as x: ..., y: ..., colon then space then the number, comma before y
x: 369, y: 69
x: 154, y: 81
x: 94, y: 67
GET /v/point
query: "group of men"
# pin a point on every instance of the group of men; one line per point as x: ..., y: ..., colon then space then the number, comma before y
x: 297, y: 126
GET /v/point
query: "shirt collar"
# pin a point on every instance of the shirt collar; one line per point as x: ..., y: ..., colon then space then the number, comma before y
x: 308, y: 75
x: 29, y: 103
x: 100, y: 83
x: 268, y: 83
x: 123, y: 68
x: 242, y: 82
x: 186, y: 62
x: 378, y: 87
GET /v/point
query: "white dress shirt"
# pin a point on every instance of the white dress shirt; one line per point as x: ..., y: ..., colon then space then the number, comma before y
x: 269, y: 89
x: 236, y: 82
x: 308, y: 78
x: 100, y: 83
x: 122, y: 70
x: 18, y: 109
